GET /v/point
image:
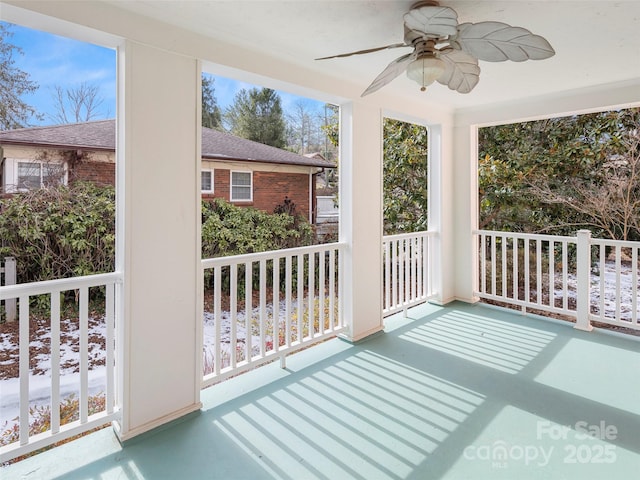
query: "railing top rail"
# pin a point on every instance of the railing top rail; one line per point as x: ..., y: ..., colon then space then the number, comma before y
x: 531, y: 236
x: 615, y: 243
x: 271, y: 254
x: 59, y: 285
x: 402, y: 236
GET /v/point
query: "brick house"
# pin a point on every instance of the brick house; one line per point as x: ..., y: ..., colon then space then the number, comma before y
x: 241, y: 171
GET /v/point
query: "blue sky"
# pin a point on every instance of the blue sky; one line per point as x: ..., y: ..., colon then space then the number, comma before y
x: 226, y: 89
x: 52, y: 61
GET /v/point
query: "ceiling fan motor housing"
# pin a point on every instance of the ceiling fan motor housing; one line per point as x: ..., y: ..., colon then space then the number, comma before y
x: 425, y: 3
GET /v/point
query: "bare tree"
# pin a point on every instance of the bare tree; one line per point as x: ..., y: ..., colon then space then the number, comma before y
x: 309, y: 129
x: 611, y: 205
x: 299, y: 123
x: 77, y: 104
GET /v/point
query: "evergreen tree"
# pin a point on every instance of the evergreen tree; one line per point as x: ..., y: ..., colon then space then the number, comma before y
x: 14, y: 83
x: 405, y: 177
x: 211, y: 114
x: 257, y: 115
x: 561, y: 174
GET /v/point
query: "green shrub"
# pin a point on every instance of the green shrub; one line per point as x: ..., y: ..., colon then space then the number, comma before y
x: 230, y: 230
x: 59, y: 232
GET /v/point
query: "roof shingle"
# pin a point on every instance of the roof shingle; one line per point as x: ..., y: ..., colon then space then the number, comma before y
x: 101, y: 135
x: 96, y: 135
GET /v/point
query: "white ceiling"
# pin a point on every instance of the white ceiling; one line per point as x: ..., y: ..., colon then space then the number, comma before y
x: 596, y: 43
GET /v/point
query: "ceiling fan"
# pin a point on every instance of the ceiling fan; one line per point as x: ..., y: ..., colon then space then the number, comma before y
x: 448, y: 52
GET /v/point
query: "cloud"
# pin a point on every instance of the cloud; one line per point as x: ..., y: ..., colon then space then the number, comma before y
x: 52, y: 60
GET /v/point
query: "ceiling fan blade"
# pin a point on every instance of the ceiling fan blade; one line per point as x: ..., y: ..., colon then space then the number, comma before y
x: 394, y: 69
x: 431, y: 21
x: 462, y: 72
x: 497, y: 42
x: 368, y: 50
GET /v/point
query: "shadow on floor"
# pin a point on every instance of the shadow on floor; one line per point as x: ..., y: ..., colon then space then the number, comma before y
x: 452, y: 392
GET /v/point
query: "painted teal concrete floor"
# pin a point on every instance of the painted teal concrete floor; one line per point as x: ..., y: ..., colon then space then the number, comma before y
x: 456, y: 392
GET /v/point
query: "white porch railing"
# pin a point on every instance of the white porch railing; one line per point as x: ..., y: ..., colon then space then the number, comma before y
x: 8, y: 277
x: 88, y: 418
x: 264, y: 306
x: 588, y: 279
x: 407, y: 264
x: 614, y: 297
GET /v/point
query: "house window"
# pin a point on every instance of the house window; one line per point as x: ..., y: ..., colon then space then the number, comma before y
x: 206, y: 181
x: 39, y: 174
x: 241, y: 186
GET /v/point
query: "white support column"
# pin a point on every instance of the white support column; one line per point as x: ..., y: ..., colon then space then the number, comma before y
x: 463, y: 216
x: 441, y: 202
x: 158, y: 225
x: 361, y: 217
x: 583, y: 274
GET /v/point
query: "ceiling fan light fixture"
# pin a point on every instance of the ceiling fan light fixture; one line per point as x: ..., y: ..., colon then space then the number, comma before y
x: 425, y: 70
x: 448, y: 51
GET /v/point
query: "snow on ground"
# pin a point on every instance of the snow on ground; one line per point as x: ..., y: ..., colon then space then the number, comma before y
x: 40, y: 392
x: 40, y: 376
x: 241, y: 335
x: 611, y: 298
x: 40, y: 384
